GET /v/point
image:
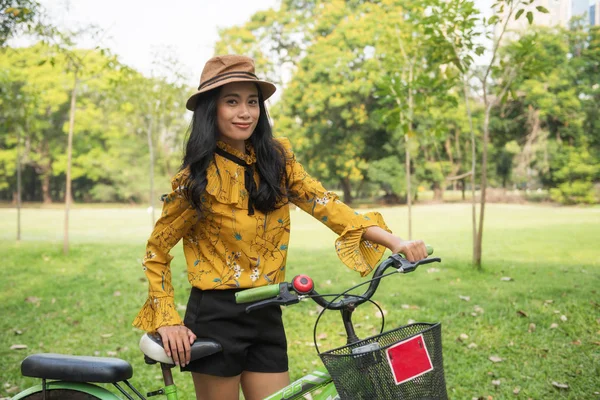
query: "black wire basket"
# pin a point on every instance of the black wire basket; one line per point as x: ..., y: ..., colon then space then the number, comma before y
x: 372, y: 369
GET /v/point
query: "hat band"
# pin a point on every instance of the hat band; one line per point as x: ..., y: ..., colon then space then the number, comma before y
x: 218, y: 78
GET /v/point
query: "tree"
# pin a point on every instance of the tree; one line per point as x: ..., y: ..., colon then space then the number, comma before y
x: 16, y: 15
x: 495, y: 77
x: 417, y: 75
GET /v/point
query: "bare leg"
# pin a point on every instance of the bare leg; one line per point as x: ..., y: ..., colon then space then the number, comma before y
x: 258, y: 385
x: 210, y: 387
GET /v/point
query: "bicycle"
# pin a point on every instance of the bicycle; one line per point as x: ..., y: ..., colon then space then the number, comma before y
x: 405, y: 362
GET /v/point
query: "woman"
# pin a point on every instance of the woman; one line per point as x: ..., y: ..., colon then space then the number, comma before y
x: 230, y: 205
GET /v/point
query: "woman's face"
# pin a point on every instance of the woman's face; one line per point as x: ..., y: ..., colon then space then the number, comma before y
x: 237, y: 113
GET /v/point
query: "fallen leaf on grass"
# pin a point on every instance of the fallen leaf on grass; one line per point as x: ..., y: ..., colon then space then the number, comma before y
x: 12, y: 389
x: 495, y: 359
x: 596, y: 343
x: 522, y: 313
x: 560, y: 385
x: 106, y: 335
x: 531, y: 327
x: 378, y: 313
x: 432, y: 270
x: 478, y: 309
x: 554, y: 326
x: 411, y: 307
x: 465, y: 298
x: 576, y: 342
x: 462, y: 337
x: 506, y: 279
x: 471, y: 346
x: 18, y: 332
x: 322, y: 336
x: 516, y: 390
x: 32, y: 300
x: 548, y: 301
x: 111, y: 353
x: 117, y: 293
x: 18, y: 347
x: 563, y: 318
x: 496, y: 382
x: 410, y: 321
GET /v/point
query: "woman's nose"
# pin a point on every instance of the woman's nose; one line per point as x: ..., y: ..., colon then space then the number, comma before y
x: 244, y: 112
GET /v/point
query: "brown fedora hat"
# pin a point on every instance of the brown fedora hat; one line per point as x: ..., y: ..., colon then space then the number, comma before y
x: 221, y: 70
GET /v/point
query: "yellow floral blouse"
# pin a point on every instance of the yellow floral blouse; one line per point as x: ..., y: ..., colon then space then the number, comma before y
x: 227, y: 248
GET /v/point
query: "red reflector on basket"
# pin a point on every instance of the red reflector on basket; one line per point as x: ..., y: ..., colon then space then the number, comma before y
x: 409, y: 359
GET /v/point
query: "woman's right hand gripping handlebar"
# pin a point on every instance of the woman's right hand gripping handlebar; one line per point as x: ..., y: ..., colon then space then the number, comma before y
x: 176, y: 341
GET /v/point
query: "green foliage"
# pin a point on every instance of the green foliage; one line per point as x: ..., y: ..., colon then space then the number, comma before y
x: 116, y: 109
x: 386, y: 171
x: 576, y: 177
x: 358, y: 78
x: 16, y: 15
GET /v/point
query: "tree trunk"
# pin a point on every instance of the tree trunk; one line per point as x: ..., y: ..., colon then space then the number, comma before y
x: 473, y: 160
x: 438, y: 192
x: 47, y: 198
x: 151, y: 151
x: 347, y: 188
x: 69, y: 157
x: 18, y: 184
x: 408, y: 188
x: 486, y: 137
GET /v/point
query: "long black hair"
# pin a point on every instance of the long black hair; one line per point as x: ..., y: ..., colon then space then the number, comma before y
x: 202, y: 142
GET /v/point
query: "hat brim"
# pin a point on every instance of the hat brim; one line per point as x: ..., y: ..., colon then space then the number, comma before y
x: 267, y: 89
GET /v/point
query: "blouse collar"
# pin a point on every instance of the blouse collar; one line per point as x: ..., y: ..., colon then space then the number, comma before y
x: 249, y: 157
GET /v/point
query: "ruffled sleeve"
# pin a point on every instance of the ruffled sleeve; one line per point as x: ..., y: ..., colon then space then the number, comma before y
x: 308, y: 194
x: 177, y: 217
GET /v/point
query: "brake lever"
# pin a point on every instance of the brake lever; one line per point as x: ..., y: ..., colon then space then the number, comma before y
x: 284, y: 298
x: 407, y: 266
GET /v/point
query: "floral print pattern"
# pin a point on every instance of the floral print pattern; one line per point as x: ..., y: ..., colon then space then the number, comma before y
x: 227, y: 248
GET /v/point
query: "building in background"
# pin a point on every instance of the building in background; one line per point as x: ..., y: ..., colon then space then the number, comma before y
x: 594, y: 12
x: 580, y: 8
x: 559, y: 13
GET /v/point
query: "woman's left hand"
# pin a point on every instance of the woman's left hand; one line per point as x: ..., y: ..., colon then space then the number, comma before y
x: 413, y: 250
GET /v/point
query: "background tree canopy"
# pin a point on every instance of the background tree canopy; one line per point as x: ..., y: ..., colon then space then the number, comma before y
x: 358, y: 78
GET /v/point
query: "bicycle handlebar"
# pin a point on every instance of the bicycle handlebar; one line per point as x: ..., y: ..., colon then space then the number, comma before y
x: 281, y: 294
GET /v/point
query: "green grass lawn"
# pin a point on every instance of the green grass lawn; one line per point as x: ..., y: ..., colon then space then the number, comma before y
x: 544, y: 323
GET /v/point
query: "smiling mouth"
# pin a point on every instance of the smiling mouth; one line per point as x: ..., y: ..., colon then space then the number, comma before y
x: 243, y: 126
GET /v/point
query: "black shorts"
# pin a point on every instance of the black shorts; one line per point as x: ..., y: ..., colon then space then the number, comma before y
x: 251, y: 342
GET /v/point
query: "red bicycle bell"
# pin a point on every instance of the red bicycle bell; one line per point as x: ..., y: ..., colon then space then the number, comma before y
x: 303, y: 284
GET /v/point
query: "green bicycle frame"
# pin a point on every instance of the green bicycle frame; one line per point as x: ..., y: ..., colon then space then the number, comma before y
x: 318, y: 383
x: 94, y: 390
x: 88, y: 388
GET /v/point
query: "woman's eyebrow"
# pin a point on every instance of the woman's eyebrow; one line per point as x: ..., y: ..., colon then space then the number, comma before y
x: 237, y: 95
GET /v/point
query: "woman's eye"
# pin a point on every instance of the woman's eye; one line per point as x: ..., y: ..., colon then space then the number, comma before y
x: 253, y: 102
x: 231, y: 102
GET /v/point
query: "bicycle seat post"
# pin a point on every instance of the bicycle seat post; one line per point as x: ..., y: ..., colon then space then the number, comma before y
x: 167, y: 373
